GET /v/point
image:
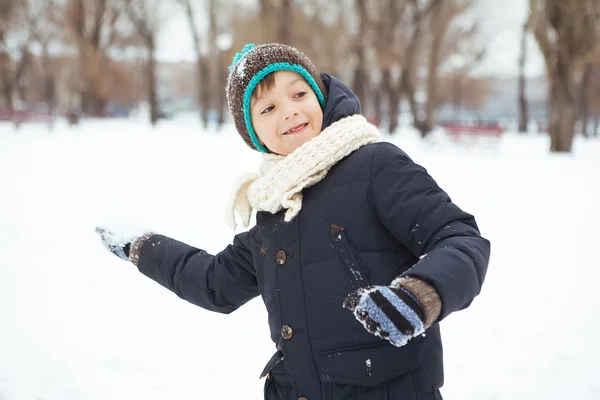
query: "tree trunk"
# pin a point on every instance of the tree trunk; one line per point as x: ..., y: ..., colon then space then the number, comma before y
x: 8, y: 98
x: 394, y: 108
x: 523, y: 111
x: 384, y: 92
x: 78, y: 20
x: 285, y: 19
x: 49, y: 84
x: 358, y: 85
x: 432, y: 83
x: 200, y: 75
x: 584, y: 99
x: 408, y: 88
x: 265, y: 15
x: 406, y: 83
x: 88, y: 26
x: 456, y: 85
x: 152, y: 95
x: 99, y: 105
x: 394, y: 98
x: 562, y: 110
x: 360, y: 75
x: 50, y: 98
x: 22, y: 66
x: 204, y: 79
x: 98, y: 95
x: 222, y: 98
x: 433, y: 70
x: 377, y: 101
x: 7, y: 86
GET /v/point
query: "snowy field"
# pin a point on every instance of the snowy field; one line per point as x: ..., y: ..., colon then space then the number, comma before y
x: 78, y: 323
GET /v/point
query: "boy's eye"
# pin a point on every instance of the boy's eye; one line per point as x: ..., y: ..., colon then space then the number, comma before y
x: 300, y: 94
x: 266, y: 110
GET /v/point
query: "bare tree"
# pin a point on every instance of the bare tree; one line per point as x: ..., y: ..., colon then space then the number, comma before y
x: 266, y: 12
x: 44, y: 37
x: 7, y: 12
x: 8, y: 16
x: 320, y: 29
x: 592, y: 93
x: 34, y: 20
x: 387, y: 28
x: 40, y: 20
x: 450, y: 37
x: 222, y: 42
x: 329, y: 49
x: 566, y: 32
x: 359, y: 81
x: 211, y: 60
x: 145, y: 15
x: 26, y: 19
x: 36, y: 74
x: 438, y: 24
x: 216, y: 28
x: 202, y: 61
x: 285, y: 21
x: 584, y: 98
x: 462, y: 90
x: 93, y: 27
x: 523, y: 112
x: 419, y: 12
x: 277, y: 19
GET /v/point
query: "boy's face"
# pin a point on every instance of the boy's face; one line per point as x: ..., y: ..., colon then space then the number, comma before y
x: 287, y: 115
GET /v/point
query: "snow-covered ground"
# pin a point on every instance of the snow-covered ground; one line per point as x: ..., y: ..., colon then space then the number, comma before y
x: 78, y: 323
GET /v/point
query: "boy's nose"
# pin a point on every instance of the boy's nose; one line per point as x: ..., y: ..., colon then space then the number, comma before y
x: 291, y: 115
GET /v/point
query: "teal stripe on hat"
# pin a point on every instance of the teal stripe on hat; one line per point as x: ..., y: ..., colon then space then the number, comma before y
x: 258, y: 77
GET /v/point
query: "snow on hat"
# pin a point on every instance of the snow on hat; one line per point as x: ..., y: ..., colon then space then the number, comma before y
x: 249, y: 67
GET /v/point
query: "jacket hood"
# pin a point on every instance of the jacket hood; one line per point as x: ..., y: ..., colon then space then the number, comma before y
x: 341, y: 101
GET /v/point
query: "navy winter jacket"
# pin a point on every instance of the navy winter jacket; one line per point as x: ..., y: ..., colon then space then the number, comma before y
x: 396, y: 221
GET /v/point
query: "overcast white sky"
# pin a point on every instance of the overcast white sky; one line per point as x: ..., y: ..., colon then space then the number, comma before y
x: 501, y: 28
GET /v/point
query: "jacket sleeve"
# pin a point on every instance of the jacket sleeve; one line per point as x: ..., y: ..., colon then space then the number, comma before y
x: 221, y: 282
x: 421, y: 216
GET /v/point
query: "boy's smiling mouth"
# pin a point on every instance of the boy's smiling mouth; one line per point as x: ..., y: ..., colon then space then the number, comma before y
x: 296, y: 129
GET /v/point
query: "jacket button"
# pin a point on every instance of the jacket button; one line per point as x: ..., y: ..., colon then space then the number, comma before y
x: 286, y: 332
x: 281, y: 257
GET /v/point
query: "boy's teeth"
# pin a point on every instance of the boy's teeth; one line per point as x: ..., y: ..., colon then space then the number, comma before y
x: 296, y: 128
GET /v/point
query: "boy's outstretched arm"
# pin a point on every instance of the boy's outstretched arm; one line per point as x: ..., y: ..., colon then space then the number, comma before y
x: 221, y: 282
x: 421, y: 216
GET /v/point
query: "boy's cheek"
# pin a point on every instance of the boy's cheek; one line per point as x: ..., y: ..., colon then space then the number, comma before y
x: 319, y: 128
x: 265, y: 133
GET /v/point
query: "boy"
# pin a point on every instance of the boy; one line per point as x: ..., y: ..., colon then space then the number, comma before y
x: 356, y: 251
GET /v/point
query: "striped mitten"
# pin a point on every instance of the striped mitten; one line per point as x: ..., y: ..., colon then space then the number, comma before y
x: 390, y: 312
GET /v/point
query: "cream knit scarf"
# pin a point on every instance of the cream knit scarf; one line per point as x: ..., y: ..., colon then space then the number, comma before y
x: 279, y: 183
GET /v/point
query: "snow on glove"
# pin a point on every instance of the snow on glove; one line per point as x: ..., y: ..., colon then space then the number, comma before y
x: 118, y: 245
x: 390, y: 312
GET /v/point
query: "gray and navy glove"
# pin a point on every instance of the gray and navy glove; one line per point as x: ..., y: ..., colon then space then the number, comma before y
x: 119, y: 246
x: 390, y: 312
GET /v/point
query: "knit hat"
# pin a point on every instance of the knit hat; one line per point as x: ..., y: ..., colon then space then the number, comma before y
x: 249, y: 67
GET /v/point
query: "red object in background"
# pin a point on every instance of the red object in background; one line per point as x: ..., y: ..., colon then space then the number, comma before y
x: 373, y: 120
x: 27, y: 115
x: 474, y: 135
x: 478, y: 130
